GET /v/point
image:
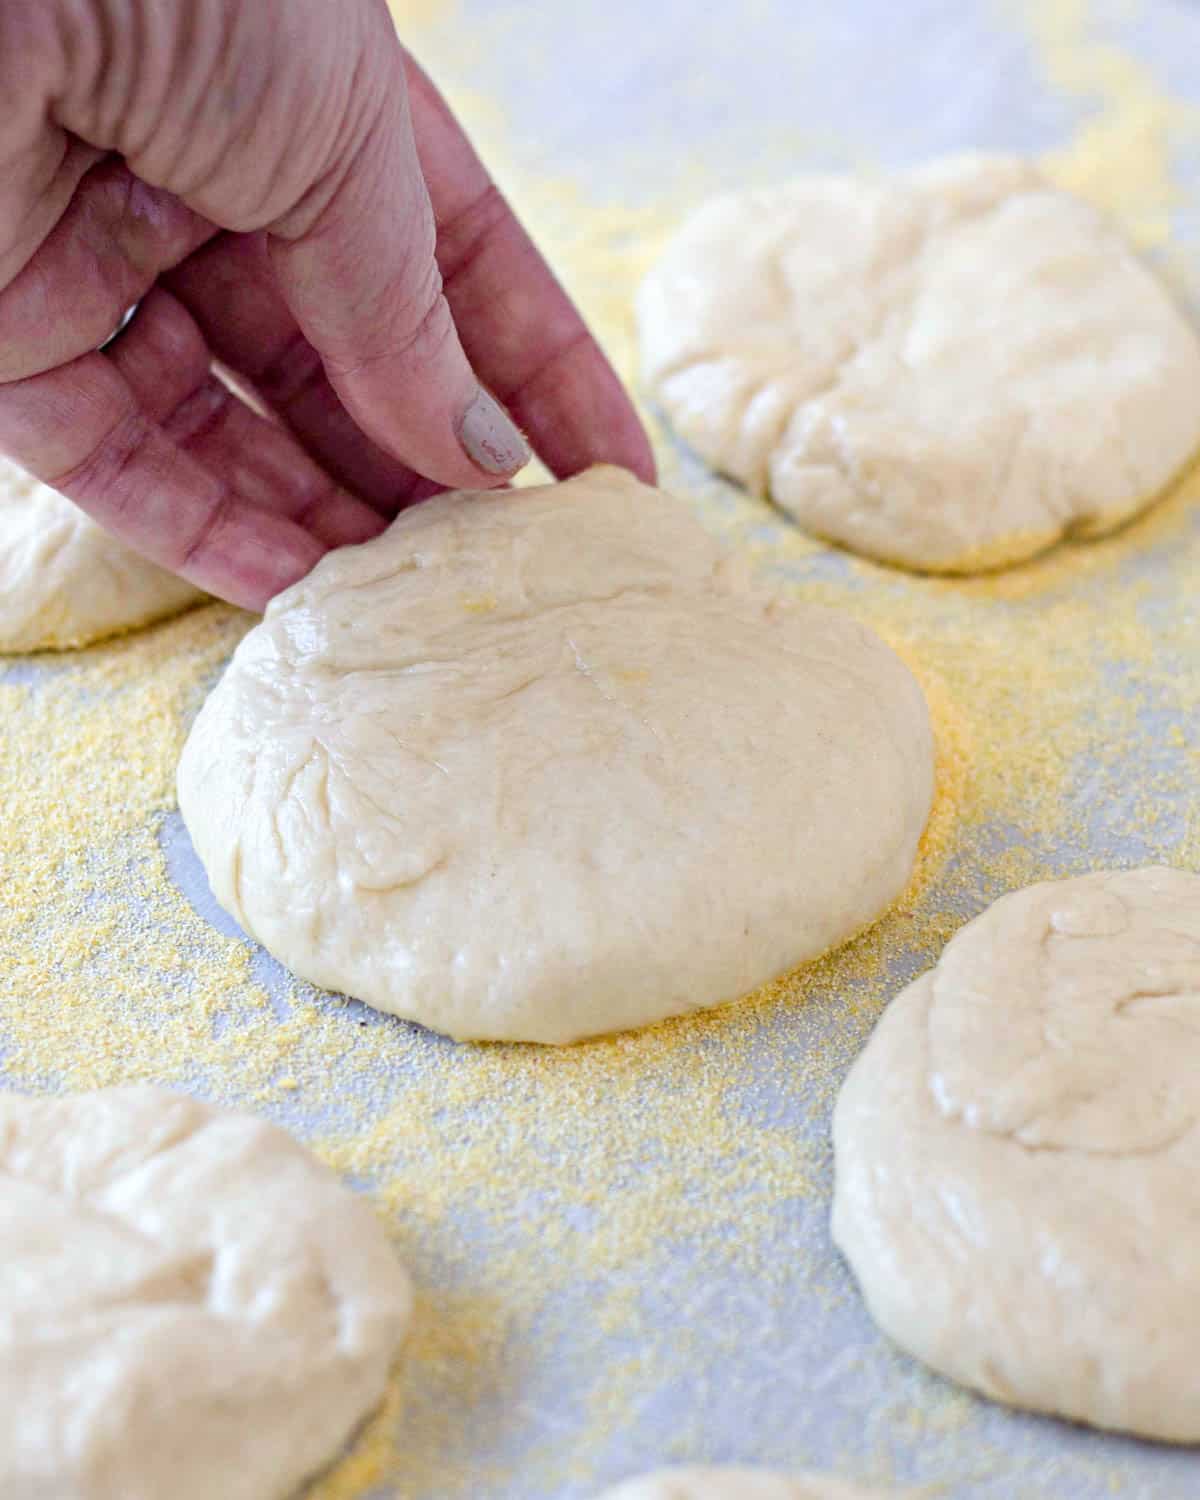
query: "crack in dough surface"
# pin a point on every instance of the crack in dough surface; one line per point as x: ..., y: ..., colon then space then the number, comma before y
x: 192, y: 1305
x: 543, y: 765
x: 1018, y: 1163
x: 950, y: 369
x: 64, y: 581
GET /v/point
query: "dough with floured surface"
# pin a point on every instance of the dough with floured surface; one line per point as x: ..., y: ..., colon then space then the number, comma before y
x: 64, y: 581
x: 192, y: 1306
x: 541, y: 765
x: 949, y: 369
x: 1018, y: 1155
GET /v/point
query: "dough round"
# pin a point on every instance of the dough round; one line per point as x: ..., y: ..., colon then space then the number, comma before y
x: 191, y: 1305
x: 541, y: 765
x: 1018, y: 1155
x: 736, y: 1484
x: 64, y: 581
x: 949, y: 369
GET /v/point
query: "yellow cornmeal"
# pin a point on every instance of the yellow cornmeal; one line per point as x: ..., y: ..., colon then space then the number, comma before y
x: 1120, y: 157
x: 612, y: 1176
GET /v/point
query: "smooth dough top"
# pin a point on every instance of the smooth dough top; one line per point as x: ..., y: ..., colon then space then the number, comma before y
x: 191, y: 1305
x: 64, y: 581
x: 541, y: 765
x: 1018, y: 1155
x: 737, y: 1484
x: 949, y: 369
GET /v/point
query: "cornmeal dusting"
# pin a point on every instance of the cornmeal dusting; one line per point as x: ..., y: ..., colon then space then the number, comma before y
x: 1120, y: 157
x: 618, y: 1242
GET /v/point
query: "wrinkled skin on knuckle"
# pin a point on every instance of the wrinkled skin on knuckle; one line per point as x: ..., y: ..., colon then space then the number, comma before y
x: 248, y: 114
x: 238, y: 109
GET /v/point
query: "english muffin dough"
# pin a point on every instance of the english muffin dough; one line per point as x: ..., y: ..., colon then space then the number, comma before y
x: 949, y: 369
x: 191, y: 1305
x: 737, y: 1484
x: 66, y: 582
x: 1018, y: 1158
x: 541, y: 765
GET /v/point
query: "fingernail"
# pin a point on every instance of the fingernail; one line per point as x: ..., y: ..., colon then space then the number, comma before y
x: 491, y: 438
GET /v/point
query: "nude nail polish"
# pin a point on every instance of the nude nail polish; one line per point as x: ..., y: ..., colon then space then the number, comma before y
x: 490, y: 437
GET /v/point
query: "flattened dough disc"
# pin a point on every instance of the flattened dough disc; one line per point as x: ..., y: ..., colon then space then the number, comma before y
x: 542, y: 765
x: 192, y: 1305
x: 949, y: 369
x: 1018, y: 1155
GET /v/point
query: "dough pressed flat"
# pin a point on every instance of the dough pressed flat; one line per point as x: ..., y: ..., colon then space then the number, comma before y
x: 737, y: 1484
x: 66, y: 582
x: 542, y: 765
x: 949, y: 369
x: 192, y: 1306
x: 1018, y: 1155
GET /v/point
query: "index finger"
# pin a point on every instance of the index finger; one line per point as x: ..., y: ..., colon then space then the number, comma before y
x: 520, y: 330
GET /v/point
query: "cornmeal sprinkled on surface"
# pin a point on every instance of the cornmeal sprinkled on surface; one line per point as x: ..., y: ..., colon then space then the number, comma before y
x: 1120, y: 158
x: 635, y: 1212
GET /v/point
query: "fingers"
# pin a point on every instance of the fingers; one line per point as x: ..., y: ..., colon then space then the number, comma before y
x: 115, y: 237
x: 168, y: 367
x: 157, y: 451
x: 341, y: 321
x: 362, y: 282
x: 518, y: 326
x: 79, y: 429
x: 229, y: 288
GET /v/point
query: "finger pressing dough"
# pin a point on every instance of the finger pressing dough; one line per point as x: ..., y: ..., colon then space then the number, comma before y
x: 1018, y: 1156
x: 64, y: 581
x: 541, y: 765
x: 737, y: 1484
x: 191, y: 1305
x: 949, y: 369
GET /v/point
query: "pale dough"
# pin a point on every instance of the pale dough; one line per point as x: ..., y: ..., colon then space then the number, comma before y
x: 949, y: 369
x: 1018, y: 1155
x: 66, y: 582
x: 190, y: 1305
x: 737, y: 1484
x: 541, y: 765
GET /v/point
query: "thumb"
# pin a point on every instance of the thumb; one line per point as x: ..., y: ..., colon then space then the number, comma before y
x: 357, y: 266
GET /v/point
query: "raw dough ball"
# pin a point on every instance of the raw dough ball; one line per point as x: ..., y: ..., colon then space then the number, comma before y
x: 736, y: 1484
x: 1018, y: 1157
x: 950, y: 369
x: 540, y: 765
x: 191, y: 1305
x: 66, y: 582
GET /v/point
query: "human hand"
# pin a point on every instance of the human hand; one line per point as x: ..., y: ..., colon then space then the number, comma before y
x: 288, y: 195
